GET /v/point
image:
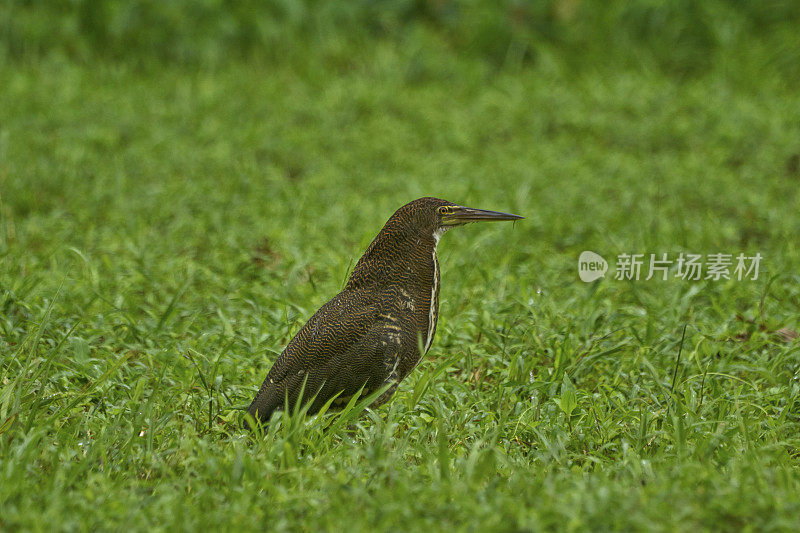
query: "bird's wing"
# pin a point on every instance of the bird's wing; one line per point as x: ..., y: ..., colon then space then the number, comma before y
x: 342, y: 346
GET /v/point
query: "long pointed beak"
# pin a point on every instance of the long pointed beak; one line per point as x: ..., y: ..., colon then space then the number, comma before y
x: 463, y: 215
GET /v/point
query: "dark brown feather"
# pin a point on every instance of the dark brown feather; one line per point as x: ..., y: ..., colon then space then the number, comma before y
x: 370, y: 333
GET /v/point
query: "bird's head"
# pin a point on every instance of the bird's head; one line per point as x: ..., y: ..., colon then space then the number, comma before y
x: 416, y: 225
x: 434, y: 216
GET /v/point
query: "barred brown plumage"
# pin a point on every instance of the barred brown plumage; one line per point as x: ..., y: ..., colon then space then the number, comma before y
x: 370, y: 334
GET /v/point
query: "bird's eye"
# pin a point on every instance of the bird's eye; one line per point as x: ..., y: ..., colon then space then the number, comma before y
x: 444, y: 210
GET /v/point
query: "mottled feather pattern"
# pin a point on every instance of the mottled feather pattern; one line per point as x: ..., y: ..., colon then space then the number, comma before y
x: 370, y: 333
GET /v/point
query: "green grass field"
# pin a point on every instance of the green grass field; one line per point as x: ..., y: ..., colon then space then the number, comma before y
x: 165, y: 228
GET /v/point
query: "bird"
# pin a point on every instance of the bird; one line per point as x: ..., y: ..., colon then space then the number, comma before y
x: 377, y: 329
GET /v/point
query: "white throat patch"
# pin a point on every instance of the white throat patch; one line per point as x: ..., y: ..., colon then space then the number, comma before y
x: 434, y: 288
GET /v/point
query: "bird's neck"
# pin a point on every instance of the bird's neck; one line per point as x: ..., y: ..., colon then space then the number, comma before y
x: 397, y: 256
x: 406, y: 265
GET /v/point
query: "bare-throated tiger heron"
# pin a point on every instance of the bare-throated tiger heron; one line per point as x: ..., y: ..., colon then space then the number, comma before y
x: 375, y: 331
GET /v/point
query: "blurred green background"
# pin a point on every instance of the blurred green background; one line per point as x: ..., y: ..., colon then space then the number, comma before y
x: 183, y: 183
x: 680, y: 36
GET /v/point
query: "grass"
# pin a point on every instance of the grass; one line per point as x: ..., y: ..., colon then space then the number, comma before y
x: 164, y: 231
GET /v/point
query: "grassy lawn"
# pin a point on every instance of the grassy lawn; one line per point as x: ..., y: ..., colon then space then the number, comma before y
x: 165, y: 230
